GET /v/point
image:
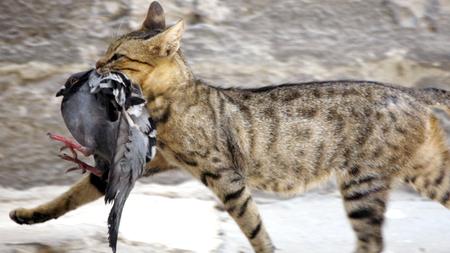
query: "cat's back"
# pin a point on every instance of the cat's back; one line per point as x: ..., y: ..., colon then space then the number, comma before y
x: 316, y: 126
x: 337, y: 93
x: 334, y: 101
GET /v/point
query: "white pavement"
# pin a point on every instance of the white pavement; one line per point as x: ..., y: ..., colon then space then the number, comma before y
x: 184, y: 218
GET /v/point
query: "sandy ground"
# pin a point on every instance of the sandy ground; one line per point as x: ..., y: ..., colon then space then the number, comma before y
x: 185, y: 218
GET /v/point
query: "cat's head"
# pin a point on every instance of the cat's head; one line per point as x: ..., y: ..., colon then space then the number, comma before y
x: 149, y: 56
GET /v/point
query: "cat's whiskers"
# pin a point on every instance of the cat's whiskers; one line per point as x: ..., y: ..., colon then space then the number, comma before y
x: 116, y: 33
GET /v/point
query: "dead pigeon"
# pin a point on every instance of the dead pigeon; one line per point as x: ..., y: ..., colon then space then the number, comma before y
x: 107, y: 117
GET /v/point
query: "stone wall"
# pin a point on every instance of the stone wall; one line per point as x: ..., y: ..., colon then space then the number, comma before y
x: 238, y: 43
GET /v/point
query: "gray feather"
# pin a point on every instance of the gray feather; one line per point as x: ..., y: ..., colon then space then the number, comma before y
x: 107, y: 114
x: 129, y: 161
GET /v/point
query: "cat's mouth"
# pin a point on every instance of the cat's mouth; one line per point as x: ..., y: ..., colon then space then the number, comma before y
x: 102, y: 71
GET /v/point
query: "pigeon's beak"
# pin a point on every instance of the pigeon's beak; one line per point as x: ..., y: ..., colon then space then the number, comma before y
x: 60, y: 92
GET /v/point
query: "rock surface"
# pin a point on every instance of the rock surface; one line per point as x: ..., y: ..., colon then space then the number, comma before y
x: 239, y: 43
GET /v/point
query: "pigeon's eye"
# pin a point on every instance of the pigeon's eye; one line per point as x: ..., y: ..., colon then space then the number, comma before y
x: 115, y: 57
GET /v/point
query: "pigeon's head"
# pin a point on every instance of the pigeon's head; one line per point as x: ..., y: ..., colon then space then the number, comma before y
x: 149, y: 56
x: 73, y: 83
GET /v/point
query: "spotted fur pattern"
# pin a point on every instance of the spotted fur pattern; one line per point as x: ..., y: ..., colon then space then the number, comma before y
x: 284, y: 139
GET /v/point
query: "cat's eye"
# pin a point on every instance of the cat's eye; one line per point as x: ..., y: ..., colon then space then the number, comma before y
x: 115, y: 57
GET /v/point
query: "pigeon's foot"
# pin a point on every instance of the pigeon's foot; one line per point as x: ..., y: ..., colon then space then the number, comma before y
x: 81, y: 165
x: 70, y: 144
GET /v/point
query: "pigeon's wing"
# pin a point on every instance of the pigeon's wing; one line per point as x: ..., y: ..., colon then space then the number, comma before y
x: 114, y: 84
x: 128, y: 165
x: 151, y: 151
x: 139, y: 114
x: 148, y: 128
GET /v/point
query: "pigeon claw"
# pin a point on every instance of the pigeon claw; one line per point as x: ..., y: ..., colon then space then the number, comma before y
x: 81, y: 166
x: 70, y: 144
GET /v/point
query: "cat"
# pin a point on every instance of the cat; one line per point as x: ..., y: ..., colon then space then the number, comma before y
x: 281, y: 138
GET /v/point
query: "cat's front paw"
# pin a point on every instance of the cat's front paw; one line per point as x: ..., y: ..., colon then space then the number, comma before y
x: 26, y: 216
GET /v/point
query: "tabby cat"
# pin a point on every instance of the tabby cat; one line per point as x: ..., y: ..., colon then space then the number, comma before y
x: 279, y: 138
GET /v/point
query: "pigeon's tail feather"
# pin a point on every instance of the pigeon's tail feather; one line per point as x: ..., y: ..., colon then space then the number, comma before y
x: 129, y: 161
x: 115, y: 215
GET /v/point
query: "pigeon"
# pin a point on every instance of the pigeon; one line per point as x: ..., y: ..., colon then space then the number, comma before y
x: 107, y: 117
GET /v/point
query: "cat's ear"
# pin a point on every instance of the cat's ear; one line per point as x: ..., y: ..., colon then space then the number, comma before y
x: 155, y: 19
x: 168, y: 42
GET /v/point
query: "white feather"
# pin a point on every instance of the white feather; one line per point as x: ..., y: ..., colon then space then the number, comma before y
x: 135, y: 110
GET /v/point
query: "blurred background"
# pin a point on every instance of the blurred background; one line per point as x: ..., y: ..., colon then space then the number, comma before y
x: 228, y: 43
